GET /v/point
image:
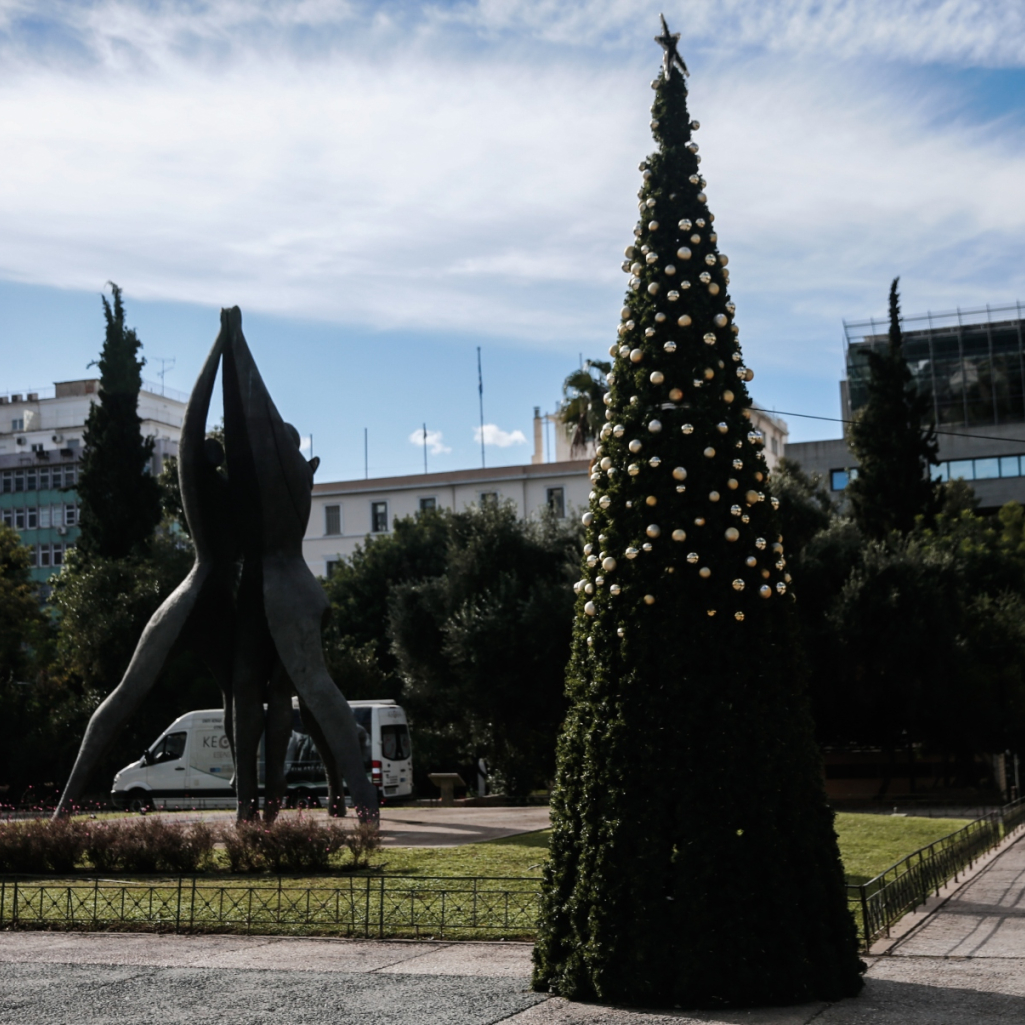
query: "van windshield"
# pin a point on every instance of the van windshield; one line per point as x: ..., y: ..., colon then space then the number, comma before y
x: 395, y: 746
x: 168, y: 749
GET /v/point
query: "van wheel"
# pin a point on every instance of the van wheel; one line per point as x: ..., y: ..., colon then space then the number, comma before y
x: 139, y: 800
x: 306, y: 799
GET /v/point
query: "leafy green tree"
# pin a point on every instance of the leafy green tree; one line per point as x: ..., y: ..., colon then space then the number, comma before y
x: 482, y: 645
x: 893, y: 444
x: 24, y: 634
x: 805, y: 505
x: 583, y: 406
x: 693, y: 858
x: 120, y: 499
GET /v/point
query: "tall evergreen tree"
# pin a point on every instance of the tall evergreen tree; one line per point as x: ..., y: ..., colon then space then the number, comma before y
x: 693, y: 859
x: 894, y: 447
x: 120, y: 499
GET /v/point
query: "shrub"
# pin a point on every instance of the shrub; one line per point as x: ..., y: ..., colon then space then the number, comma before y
x: 19, y: 847
x: 102, y: 849
x: 362, y: 840
x: 242, y: 845
x: 150, y: 845
x: 61, y: 842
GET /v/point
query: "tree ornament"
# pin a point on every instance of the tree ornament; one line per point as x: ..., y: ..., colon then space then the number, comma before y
x: 615, y: 589
x: 652, y: 225
x: 679, y: 534
x: 704, y: 572
x: 735, y: 510
x: 659, y: 318
x: 653, y: 288
x: 687, y: 428
x: 683, y: 253
x: 608, y: 564
x: 709, y: 452
x: 655, y: 426
x: 613, y: 349
x: 775, y: 502
x: 590, y: 641
x: 684, y: 320
x: 710, y: 259
x: 653, y: 530
x: 713, y: 288
x: 676, y: 394
x: 587, y: 519
x: 732, y: 534
x: 657, y: 377
x: 654, y: 123
x: 631, y: 553
x: 765, y: 591
x: 722, y: 428
x: 670, y: 346
x: 673, y: 296
x: 679, y: 473
x: 635, y: 446
x: 684, y: 285
x: 681, y: 488
x: 619, y: 430
x: 590, y: 608
x: 579, y: 586
x: 709, y: 338
x: 727, y: 396
x: 633, y: 469
x: 649, y: 332
x: 733, y: 484
x: 751, y: 497
x: 670, y: 269
x: 651, y: 500
x: 649, y: 599
x: 651, y: 257
x: 605, y: 501
x: 720, y: 320
x: 699, y: 521
x: 704, y: 277
x: 713, y: 496
x: 723, y: 260
x: 654, y: 462
x: 738, y: 584
x: 739, y: 617
x: 636, y: 355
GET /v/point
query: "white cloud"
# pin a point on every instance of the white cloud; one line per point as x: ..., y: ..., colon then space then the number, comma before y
x: 470, y: 167
x: 494, y: 435
x: 434, y: 441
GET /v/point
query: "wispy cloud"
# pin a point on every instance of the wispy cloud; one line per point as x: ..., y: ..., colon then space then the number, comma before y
x: 470, y: 167
x: 494, y: 435
x: 433, y: 441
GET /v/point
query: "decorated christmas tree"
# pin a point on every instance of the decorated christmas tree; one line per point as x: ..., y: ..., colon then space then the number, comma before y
x: 693, y: 857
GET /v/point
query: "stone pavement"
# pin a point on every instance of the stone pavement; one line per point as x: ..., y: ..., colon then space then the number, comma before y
x: 964, y: 963
x: 420, y: 825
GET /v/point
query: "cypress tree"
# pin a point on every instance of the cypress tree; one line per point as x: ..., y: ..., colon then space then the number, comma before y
x: 119, y: 498
x: 693, y: 858
x: 894, y: 447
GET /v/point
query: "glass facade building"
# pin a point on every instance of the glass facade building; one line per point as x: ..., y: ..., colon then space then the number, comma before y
x: 971, y: 363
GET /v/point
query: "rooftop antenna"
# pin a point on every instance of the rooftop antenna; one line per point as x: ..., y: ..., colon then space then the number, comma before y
x: 425, y: 448
x: 480, y: 392
x: 164, y: 367
x: 366, y: 461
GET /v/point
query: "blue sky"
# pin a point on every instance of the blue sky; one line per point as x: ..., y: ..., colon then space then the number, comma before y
x: 383, y: 187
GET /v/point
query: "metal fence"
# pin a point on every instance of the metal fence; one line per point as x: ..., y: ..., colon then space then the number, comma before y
x: 879, y: 902
x: 362, y: 906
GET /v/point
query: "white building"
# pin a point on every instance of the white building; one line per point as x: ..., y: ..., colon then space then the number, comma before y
x: 345, y: 512
x: 33, y: 422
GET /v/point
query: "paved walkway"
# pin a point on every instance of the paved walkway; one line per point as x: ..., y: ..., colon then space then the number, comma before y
x: 963, y: 964
x: 419, y: 825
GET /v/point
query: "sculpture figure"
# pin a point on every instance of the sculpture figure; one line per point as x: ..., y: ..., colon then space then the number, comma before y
x: 259, y: 633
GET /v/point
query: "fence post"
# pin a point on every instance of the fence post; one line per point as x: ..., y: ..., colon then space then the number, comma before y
x: 380, y: 924
x: 3, y: 896
x: 96, y: 903
x: 178, y: 908
x: 192, y: 906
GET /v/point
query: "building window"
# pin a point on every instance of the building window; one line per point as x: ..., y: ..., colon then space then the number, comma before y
x: 839, y: 479
x: 489, y: 499
x: 33, y: 558
x: 19, y: 519
x: 8, y: 517
x: 428, y: 504
x: 44, y: 479
x: 1009, y: 466
x: 30, y: 480
x: 332, y: 519
x: 58, y: 555
x: 8, y: 481
x: 31, y: 518
x: 774, y: 445
x: 44, y: 516
x: 556, y: 499
x: 70, y: 515
x: 18, y: 425
x: 332, y: 565
x: 379, y: 517
x: 70, y: 474
x: 44, y: 555
x: 19, y: 480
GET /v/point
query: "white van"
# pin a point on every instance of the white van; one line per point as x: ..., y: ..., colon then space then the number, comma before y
x: 190, y: 764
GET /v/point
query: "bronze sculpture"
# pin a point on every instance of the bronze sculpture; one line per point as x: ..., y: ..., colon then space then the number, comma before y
x: 259, y: 631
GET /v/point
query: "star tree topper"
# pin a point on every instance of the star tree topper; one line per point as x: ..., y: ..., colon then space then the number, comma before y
x: 671, y: 57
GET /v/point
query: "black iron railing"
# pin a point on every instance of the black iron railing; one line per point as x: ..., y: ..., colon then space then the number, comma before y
x: 906, y: 885
x: 359, y: 906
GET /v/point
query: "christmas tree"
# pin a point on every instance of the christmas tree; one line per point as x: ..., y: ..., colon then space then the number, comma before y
x: 894, y: 448
x: 120, y: 499
x: 693, y: 858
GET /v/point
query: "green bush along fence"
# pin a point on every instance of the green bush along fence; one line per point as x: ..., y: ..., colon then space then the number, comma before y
x: 361, y: 906
x: 906, y: 885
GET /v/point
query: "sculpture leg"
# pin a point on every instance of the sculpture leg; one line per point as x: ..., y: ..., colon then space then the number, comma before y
x: 279, y: 731
x: 254, y: 660
x: 335, y: 786
x: 151, y: 653
x: 296, y: 605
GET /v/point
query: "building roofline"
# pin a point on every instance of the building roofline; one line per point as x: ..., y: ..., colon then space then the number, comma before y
x: 424, y: 481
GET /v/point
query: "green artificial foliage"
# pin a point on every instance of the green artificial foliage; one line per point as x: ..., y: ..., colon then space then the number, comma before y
x: 894, y: 446
x: 693, y: 857
x: 120, y: 499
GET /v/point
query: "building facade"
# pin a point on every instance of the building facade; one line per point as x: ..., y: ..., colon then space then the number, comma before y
x: 344, y: 513
x: 971, y: 366
x: 40, y: 450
